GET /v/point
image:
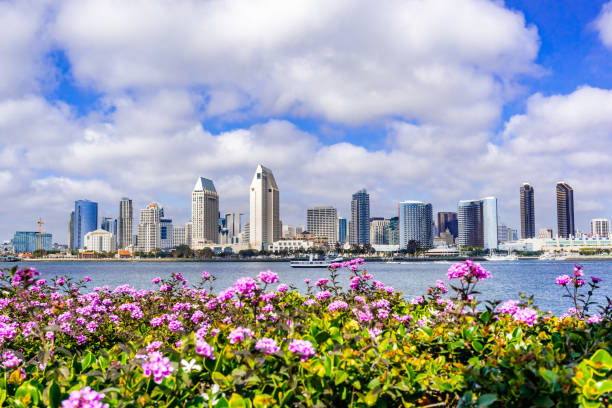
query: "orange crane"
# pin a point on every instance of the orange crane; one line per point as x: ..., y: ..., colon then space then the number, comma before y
x: 40, y: 224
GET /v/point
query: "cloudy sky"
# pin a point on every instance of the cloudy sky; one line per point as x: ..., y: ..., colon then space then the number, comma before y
x: 433, y: 100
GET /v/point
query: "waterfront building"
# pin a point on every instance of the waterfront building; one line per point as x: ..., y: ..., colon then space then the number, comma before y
x: 288, y: 231
x: 448, y: 221
x: 125, y: 229
x: 415, y: 224
x: 265, y: 226
x: 470, y: 222
x: 111, y: 225
x: 204, y: 212
x: 502, y: 232
x: 600, y: 227
x: 189, y: 234
x: 565, y: 210
x: 149, y: 228
x: 322, y: 221
x: 233, y: 222
x: 166, y: 233
x: 490, y: 221
x: 379, y: 231
x: 100, y: 240
x: 71, y: 231
x: 527, y: 211
x: 245, y: 236
x: 179, y: 236
x: 85, y: 220
x: 394, y: 231
x: 291, y: 245
x: 545, y: 233
x: 27, y: 241
x: 359, y: 228
x: 342, y: 230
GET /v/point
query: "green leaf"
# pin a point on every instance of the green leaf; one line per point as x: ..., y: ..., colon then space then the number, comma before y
x: 549, y: 376
x: 236, y: 401
x: 602, y: 358
x: 427, y: 330
x: 604, y: 386
x: 54, y: 395
x: 340, y: 377
x: 28, y: 389
x: 477, y: 346
x: 370, y: 399
x: 486, y: 399
x: 485, y: 317
x: 86, y: 361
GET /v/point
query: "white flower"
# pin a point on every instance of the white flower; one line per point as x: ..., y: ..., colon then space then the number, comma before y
x: 190, y: 365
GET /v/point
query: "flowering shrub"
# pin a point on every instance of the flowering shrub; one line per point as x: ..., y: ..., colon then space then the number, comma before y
x: 256, y: 345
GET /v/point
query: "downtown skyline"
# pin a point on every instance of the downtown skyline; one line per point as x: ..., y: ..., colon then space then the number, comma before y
x: 474, y: 98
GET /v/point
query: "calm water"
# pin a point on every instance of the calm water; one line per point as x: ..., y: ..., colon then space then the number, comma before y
x: 509, y: 278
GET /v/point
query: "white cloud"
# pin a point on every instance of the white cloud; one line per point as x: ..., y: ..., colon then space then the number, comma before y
x: 345, y: 61
x: 604, y: 24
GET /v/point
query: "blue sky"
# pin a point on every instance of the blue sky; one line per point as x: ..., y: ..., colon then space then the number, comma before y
x: 432, y: 100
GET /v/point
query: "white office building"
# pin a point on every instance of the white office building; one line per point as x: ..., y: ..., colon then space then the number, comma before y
x: 600, y: 227
x: 321, y: 221
x: 179, y: 236
x: 204, y: 212
x: 265, y: 226
x: 167, y: 235
x: 490, y: 222
x: 149, y: 228
x: 379, y: 231
x: 100, y: 241
x: 415, y: 224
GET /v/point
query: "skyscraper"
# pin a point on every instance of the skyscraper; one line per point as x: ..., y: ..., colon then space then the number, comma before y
x: 179, y: 236
x: 471, y: 231
x: 527, y: 211
x: 71, y: 231
x: 394, y: 231
x: 149, y: 228
x: 565, y: 209
x: 321, y: 221
x: 27, y: 241
x: 205, y: 212
x: 264, y: 224
x: 600, y: 227
x: 85, y: 220
x: 490, y: 221
x: 448, y: 221
x: 233, y: 222
x: 359, y: 228
x: 379, y: 231
x: 125, y: 229
x: 166, y: 235
x: 415, y: 222
x: 341, y: 230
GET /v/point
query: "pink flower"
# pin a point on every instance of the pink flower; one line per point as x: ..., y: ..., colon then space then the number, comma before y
x: 417, y: 300
x: 156, y: 280
x: 268, y: 346
x: 307, y: 281
x: 10, y: 359
x: 525, y: 315
x: 309, y: 302
x: 321, y: 282
x: 282, y: 288
x: 204, y: 349
x: 205, y: 275
x: 267, y: 277
x: 303, y: 348
x: 563, y: 280
x: 595, y: 279
x: 324, y: 294
x: 85, y: 398
x: 157, y: 365
x: 595, y: 319
x: 468, y: 269
x: 245, y: 286
x: 337, y: 305
x: 509, y: 306
x: 578, y: 271
x: 239, y: 334
x: 87, y: 279
x: 374, y: 332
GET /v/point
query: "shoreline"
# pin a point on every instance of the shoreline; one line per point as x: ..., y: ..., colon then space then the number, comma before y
x: 265, y: 260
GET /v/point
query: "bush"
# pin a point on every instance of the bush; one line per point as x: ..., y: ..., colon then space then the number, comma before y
x: 259, y: 344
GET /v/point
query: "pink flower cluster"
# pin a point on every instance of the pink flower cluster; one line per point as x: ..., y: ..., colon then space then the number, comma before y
x: 303, y: 348
x: 156, y: 365
x: 267, y: 277
x: 468, y: 269
x: 85, y: 398
x: 10, y: 360
x: 525, y: 315
x: 239, y: 334
x: 266, y: 345
x: 337, y: 305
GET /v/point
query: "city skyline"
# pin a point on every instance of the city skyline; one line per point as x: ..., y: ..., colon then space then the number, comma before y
x: 474, y: 99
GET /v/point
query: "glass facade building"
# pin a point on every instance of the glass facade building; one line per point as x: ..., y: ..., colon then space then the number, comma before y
x: 490, y: 220
x: 415, y: 224
x: 565, y: 210
x: 469, y: 217
x: 341, y: 230
x: 527, y: 212
x: 26, y: 241
x: 448, y: 221
x: 394, y: 231
x: 359, y: 231
x: 85, y: 220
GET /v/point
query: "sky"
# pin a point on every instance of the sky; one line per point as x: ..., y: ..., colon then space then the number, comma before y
x: 431, y: 100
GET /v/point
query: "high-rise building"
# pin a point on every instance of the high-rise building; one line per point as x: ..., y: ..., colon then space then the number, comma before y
x: 502, y: 232
x: 149, y: 228
x: 189, y: 234
x: 565, y: 209
x: 71, y: 231
x: 265, y: 226
x: 469, y: 217
x: 321, y: 221
x: 167, y: 241
x: 359, y: 231
x: 110, y: 225
x: 490, y: 221
x: 600, y: 227
x: 342, y: 230
x: 233, y: 222
x: 246, y: 232
x: 545, y: 233
x: 448, y: 221
x: 27, y: 241
x: 415, y: 224
x: 179, y: 236
x: 394, y: 231
x: 85, y: 220
x: 100, y: 240
x: 379, y: 231
x: 125, y: 229
x: 288, y: 231
x: 527, y: 211
x: 205, y: 212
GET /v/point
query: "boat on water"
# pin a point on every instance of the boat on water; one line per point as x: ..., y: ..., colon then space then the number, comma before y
x: 314, y: 263
x: 497, y: 257
x: 8, y: 258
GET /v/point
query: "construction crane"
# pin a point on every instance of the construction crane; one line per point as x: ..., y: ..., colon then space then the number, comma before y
x: 40, y: 224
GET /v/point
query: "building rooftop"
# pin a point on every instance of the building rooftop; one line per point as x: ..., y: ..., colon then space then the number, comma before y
x: 204, y: 184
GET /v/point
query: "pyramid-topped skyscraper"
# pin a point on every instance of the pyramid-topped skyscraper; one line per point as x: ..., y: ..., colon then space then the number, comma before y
x: 205, y: 212
x: 265, y: 227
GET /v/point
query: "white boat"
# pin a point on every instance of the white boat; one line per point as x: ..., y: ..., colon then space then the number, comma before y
x: 497, y: 257
x: 314, y: 263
